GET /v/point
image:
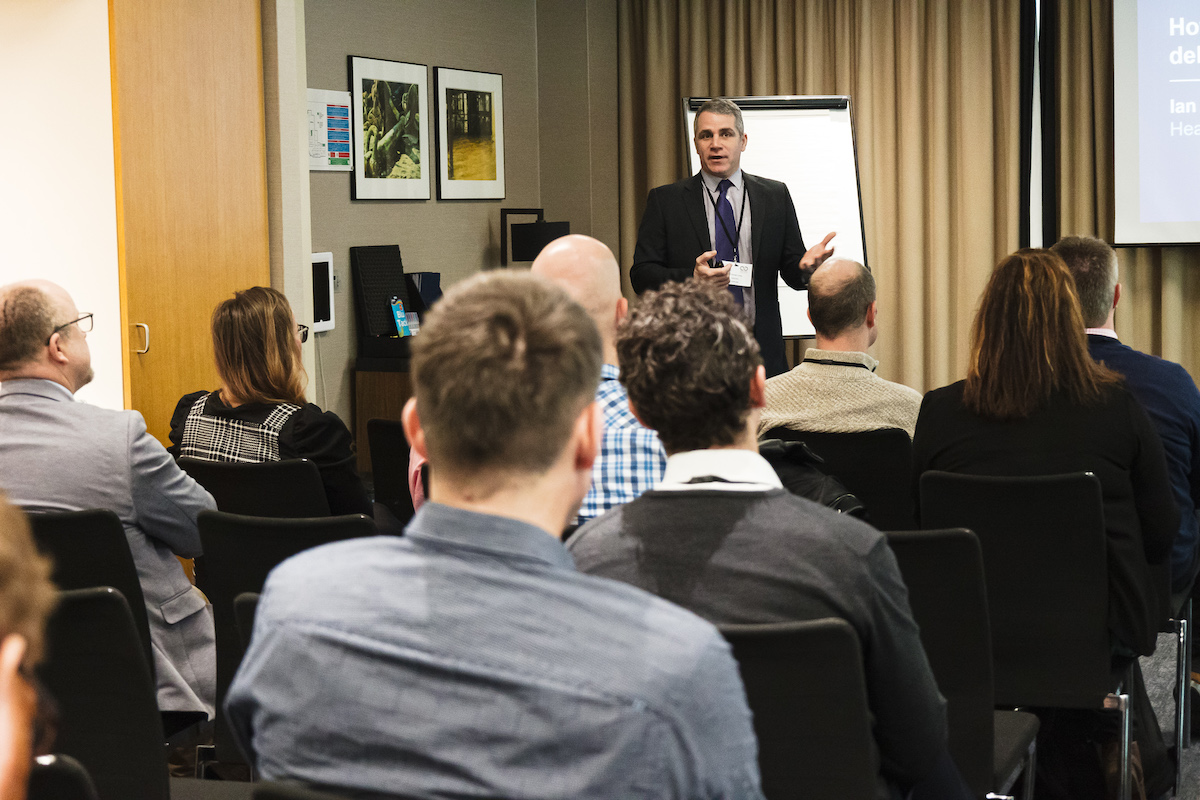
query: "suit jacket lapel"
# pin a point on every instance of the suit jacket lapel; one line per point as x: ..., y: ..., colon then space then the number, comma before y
x: 753, y: 195
x: 694, y: 202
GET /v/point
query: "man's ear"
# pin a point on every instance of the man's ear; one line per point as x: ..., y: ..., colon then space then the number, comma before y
x: 872, y: 310
x: 588, y: 433
x: 758, y: 388
x: 1116, y: 295
x: 622, y: 308
x: 411, y: 421
x: 57, y: 354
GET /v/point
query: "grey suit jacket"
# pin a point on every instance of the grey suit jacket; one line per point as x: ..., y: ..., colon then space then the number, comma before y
x: 57, y: 454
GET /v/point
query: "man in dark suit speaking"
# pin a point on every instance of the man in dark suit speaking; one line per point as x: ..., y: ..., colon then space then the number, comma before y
x: 746, y: 223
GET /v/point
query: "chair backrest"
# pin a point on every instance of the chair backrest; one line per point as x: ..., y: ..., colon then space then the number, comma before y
x: 89, y: 549
x: 290, y: 488
x: 875, y: 465
x: 805, y: 686
x: 108, y: 713
x: 59, y: 777
x: 239, y: 551
x: 245, y: 605
x: 943, y: 571
x: 389, y: 466
x: 1045, y: 564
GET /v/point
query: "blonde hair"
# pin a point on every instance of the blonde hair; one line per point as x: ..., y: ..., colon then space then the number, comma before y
x: 254, y: 344
x: 26, y: 593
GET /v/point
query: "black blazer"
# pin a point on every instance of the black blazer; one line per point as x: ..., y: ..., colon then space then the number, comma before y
x: 674, y: 231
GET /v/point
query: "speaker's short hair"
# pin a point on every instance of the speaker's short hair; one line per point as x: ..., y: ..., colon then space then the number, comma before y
x: 719, y: 105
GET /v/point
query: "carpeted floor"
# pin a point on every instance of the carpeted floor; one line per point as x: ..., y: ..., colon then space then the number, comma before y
x: 1159, y: 673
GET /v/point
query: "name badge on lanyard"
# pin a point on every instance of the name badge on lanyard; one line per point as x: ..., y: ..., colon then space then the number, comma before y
x: 741, y: 273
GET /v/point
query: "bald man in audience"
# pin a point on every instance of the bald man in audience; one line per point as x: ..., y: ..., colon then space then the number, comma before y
x: 62, y: 455
x: 835, y: 388
x: 631, y: 457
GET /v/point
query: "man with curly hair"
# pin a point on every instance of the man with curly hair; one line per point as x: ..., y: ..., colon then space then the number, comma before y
x: 720, y: 535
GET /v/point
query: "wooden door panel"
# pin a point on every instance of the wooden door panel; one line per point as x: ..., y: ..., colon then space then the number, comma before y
x: 191, y: 184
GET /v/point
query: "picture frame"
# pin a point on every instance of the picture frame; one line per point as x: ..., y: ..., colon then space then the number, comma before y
x: 470, y: 134
x: 390, y: 102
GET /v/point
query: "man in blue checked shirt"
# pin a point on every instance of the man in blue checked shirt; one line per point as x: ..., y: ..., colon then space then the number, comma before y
x: 632, y: 458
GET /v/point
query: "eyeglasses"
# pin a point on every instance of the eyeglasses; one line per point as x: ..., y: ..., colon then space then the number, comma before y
x: 303, y: 332
x: 84, y: 322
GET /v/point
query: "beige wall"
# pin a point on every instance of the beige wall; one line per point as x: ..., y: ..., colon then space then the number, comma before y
x: 58, y: 204
x: 558, y: 60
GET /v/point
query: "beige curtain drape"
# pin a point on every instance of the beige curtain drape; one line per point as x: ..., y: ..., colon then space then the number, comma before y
x: 936, y: 96
x: 1160, y: 285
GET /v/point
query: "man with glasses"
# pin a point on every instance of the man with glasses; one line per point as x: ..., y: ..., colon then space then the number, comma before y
x: 63, y: 455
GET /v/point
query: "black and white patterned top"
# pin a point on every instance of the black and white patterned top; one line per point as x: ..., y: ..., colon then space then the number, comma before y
x: 205, y: 427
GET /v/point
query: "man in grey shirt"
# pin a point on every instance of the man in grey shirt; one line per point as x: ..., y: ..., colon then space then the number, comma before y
x: 721, y: 537
x: 469, y: 658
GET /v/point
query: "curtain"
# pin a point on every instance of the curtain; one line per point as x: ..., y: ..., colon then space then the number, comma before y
x: 935, y: 88
x: 1159, y: 285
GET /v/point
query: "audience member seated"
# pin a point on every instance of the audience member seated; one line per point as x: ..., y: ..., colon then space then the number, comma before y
x: 835, y: 388
x: 259, y: 413
x: 469, y: 658
x: 26, y: 597
x: 721, y: 537
x: 63, y: 455
x: 1035, y: 403
x: 1165, y: 389
x: 631, y: 457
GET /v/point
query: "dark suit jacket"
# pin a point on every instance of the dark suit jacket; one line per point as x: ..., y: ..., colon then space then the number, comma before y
x: 674, y: 231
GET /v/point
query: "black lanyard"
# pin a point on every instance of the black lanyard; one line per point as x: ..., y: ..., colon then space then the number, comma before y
x: 834, y: 363
x: 736, y: 240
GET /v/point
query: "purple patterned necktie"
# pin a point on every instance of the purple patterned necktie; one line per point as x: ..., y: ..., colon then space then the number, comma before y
x: 725, y: 232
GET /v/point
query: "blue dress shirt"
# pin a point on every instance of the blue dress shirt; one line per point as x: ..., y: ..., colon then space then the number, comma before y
x: 631, y: 459
x: 469, y: 658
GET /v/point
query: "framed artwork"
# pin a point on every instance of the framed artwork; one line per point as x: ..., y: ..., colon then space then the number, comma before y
x: 470, y: 134
x: 391, y: 104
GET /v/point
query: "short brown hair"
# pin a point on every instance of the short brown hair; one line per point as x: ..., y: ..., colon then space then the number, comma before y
x: 687, y: 357
x: 844, y: 308
x: 1094, y: 265
x: 1028, y: 341
x: 26, y: 593
x: 255, y: 347
x: 501, y: 369
x: 26, y: 322
x: 719, y: 105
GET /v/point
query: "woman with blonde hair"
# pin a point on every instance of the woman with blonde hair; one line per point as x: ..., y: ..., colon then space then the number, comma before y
x: 1035, y: 403
x: 259, y: 412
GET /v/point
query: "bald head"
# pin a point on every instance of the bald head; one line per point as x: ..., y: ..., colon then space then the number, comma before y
x: 588, y: 271
x: 30, y: 347
x: 840, y: 294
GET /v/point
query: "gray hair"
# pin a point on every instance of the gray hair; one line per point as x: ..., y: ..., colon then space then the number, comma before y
x: 720, y: 105
x: 1093, y: 264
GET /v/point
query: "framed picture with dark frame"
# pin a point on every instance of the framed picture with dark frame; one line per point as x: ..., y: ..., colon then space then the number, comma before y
x: 390, y: 106
x: 470, y: 134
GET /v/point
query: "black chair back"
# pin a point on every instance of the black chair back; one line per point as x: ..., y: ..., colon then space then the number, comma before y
x: 875, y: 465
x: 89, y: 549
x: 108, y: 714
x: 291, y: 488
x: 943, y: 571
x: 244, y: 607
x: 239, y: 551
x: 805, y: 686
x: 389, y: 467
x: 1045, y: 564
x: 60, y: 777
